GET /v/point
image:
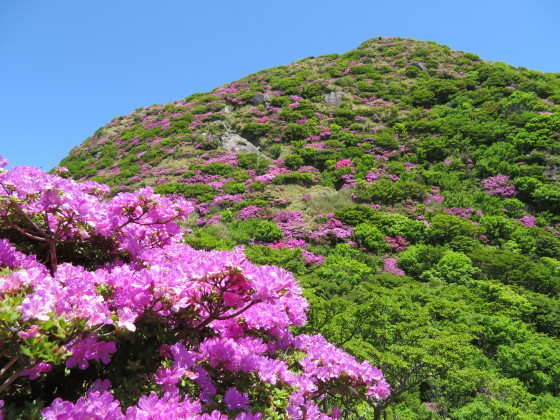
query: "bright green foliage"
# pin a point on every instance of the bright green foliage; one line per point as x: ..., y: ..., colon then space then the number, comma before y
x: 209, y: 238
x: 252, y: 161
x: 356, y: 214
x: 446, y: 227
x: 234, y: 188
x: 387, y: 192
x: 201, y: 192
x: 419, y: 258
x: 453, y: 267
x: 371, y: 237
x: 498, y: 227
x: 393, y: 224
x: 288, y: 258
x: 254, y: 229
x: 294, y: 178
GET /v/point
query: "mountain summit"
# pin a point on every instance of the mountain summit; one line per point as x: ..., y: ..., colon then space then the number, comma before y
x: 389, y: 95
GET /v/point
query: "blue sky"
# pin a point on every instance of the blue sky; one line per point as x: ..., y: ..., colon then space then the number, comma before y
x: 68, y: 66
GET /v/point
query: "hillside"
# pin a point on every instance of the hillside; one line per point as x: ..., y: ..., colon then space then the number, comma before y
x: 413, y: 191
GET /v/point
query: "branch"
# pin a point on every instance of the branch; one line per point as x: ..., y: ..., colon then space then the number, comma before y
x: 213, y: 316
x: 221, y: 318
x: 24, y: 232
x: 9, y: 365
x: 10, y: 380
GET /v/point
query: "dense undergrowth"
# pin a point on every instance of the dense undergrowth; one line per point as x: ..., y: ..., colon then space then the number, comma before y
x: 413, y: 191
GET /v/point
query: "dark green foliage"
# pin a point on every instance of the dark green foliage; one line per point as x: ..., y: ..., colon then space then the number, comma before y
x: 233, y: 188
x: 295, y: 131
x: 354, y: 215
x: 209, y: 238
x: 294, y: 178
x: 219, y: 168
x: 201, y: 192
x: 388, y: 192
x: 260, y: 230
x: 288, y: 258
x: 294, y: 161
x: 252, y: 161
x: 253, y: 131
x: 512, y: 268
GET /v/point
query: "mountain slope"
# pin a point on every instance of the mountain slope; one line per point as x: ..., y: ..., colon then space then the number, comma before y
x: 413, y: 191
x: 386, y: 87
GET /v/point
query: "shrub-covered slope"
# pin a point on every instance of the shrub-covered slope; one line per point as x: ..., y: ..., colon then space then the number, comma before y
x: 412, y: 190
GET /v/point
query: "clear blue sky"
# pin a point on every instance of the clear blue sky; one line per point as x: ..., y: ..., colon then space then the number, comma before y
x: 67, y: 67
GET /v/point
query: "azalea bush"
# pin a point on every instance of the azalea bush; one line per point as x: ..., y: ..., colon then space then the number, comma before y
x: 106, y: 314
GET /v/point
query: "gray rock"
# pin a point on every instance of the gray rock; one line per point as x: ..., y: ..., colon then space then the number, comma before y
x: 261, y: 98
x: 226, y: 110
x: 552, y: 172
x: 333, y: 98
x: 422, y: 65
x: 236, y: 143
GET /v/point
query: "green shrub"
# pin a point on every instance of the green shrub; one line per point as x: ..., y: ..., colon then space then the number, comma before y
x: 258, y: 186
x: 253, y: 131
x: 412, y: 71
x: 288, y: 258
x: 209, y: 238
x: 244, y: 231
x: 233, y: 187
x: 453, y: 267
x: 305, y: 179
x: 274, y: 151
x: 266, y: 231
x: 393, y: 224
x: 356, y: 214
x: 253, y: 161
x: 219, y: 168
x: 294, y: 161
x: 371, y: 238
x: 295, y: 131
x: 446, y: 227
x: 419, y: 258
x: 201, y: 192
x: 498, y: 227
x: 252, y: 202
x: 386, y: 140
x: 388, y: 192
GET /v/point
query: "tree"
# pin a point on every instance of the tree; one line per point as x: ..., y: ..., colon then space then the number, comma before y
x: 398, y: 328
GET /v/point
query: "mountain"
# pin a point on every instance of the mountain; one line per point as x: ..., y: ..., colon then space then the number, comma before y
x: 412, y: 189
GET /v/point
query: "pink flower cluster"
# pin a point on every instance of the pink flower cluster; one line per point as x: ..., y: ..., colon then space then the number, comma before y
x: 463, y: 213
x: 291, y: 224
x: 249, y: 212
x: 343, y: 163
x: 434, y: 196
x: 528, y: 220
x: 332, y: 230
x: 398, y: 244
x: 498, y: 185
x: 390, y: 266
x: 236, y: 315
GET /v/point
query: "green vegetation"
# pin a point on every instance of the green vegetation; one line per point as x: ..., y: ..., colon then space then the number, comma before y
x: 413, y: 190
